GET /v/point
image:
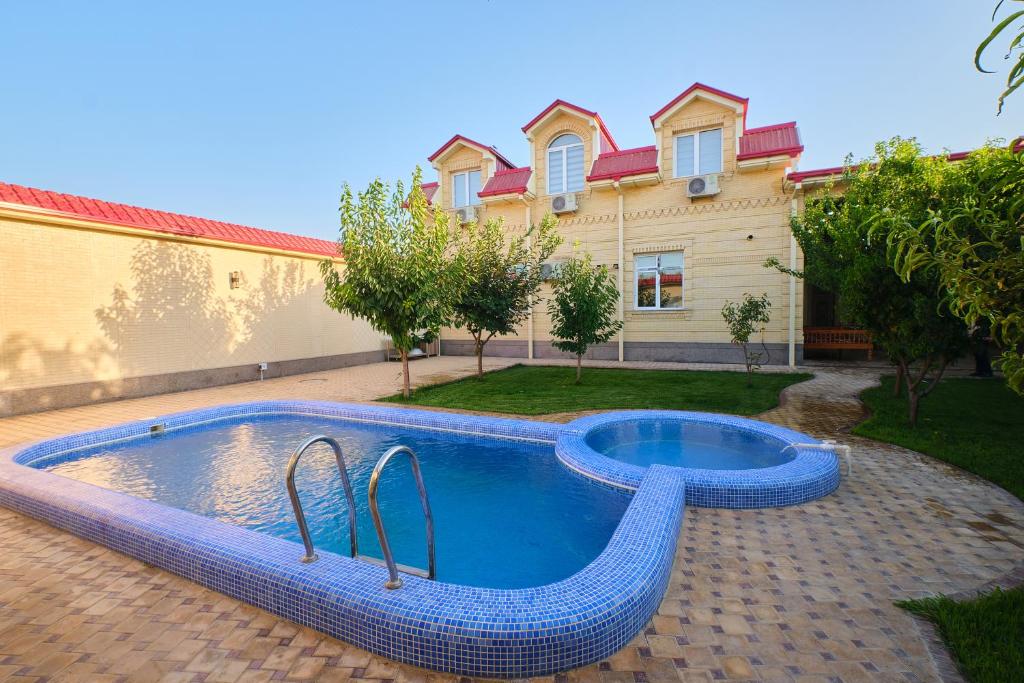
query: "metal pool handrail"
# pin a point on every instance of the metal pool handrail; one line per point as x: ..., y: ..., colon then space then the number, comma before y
x: 394, y: 580
x: 300, y: 518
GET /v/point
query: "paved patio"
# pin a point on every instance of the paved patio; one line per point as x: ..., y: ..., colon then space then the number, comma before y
x: 794, y: 594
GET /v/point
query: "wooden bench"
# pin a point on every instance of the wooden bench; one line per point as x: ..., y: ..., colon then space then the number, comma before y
x: 838, y: 338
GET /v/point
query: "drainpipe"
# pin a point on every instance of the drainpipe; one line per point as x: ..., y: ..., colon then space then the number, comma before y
x: 621, y: 269
x: 529, y: 320
x: 792, y: 286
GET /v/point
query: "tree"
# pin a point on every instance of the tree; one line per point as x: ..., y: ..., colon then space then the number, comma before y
x: 505, y: 273
x: 845, y: 253
x: 1015, y: 78
x: 400, y: 271
x: 975, y: 248
x: 583, y: 308
x: 743, y: 320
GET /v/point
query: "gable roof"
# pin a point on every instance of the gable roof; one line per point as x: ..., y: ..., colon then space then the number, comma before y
x: 605, y: 133
x: 694, y: 91
x: 782, y: 138
x: 429, y: 190
x: 502, y: 161
x: 509, y: 181
x: 626, y: 162
x: 161, y: 221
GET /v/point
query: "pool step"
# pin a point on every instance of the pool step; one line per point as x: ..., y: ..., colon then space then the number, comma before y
x: 404, y: 568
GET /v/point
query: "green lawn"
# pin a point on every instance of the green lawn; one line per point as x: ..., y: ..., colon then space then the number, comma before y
x: 972, y: 423
x: 977, y: 425
x: 985, y: 635
x: 538, y: 390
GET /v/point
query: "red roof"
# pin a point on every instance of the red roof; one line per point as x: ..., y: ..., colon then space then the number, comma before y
x: 503, y: 162
x: 429, y: 189
x: 607, y: 139
x: 782, y: 138
x: 161, y: 221
x: 627, y: 162
x: 509, y: 181
x: 700, y: 86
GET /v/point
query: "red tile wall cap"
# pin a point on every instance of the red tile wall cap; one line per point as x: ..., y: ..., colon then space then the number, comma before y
x: 502, y: 160
x: 579, y: 110
x: 127, y: 215
x: 509, y: 181
x: 700, y: 86
x: 624, y: 163
x: 798, y: 176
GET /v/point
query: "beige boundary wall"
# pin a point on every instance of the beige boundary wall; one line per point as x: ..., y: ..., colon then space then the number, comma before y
x: 92, y: 312
x: 725, y: 239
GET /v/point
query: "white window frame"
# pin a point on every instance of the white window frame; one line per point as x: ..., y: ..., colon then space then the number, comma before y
x: 696, y: 152
x: 657, y: 282
x: 563, y: 151
x: 463, y: 178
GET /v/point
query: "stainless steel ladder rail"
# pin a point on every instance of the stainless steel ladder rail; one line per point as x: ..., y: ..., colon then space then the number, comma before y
x: 300, y: 518
x: 394, y: 580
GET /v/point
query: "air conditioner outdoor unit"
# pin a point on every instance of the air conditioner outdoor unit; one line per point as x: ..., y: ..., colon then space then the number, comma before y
x: 702, y: 185
x: 563, y: 203
x: 549, y: 271
x: 466, y: 214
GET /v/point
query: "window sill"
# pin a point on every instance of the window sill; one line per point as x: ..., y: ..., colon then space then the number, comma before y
x: 657, y: 311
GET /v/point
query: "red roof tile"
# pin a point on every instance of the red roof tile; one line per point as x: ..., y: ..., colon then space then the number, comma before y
x: 627, y: 162
x: 161, y: 221
x: 429, y: 189
x: 782, y: 138
x: 700, y: 86
x: 607, y: 140
x: 510, y: 181
x: 502, y: 164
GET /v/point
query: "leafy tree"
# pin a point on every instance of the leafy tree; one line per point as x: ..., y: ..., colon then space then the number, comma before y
x: 1015, y: 78
x: 583, y: 308
x: 845, y: 252
x: 505, y: 273
x: 745, y: 319
x: 975, y: 247
x: 400, y: 270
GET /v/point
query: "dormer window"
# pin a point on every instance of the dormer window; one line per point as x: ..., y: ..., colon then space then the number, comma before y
x: 565, y: 164
x: 465, y: 187
x: 698, y: 153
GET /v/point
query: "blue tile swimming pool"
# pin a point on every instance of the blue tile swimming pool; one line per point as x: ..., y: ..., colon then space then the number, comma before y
x: 499, y: 507
x: 551, y: 555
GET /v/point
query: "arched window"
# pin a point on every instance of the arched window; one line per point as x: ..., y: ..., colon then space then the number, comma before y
x: 565, y: 164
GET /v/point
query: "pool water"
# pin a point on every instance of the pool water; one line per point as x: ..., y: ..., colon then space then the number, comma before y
x: 507, y: 514
x: 688, y: 444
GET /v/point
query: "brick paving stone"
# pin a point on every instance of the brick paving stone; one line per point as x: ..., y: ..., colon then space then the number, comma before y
x: 793, y: 594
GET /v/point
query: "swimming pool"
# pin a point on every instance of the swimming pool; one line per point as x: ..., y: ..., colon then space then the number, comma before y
x: 481, y: 489
x: 726, y: 461
x: 456, y: 627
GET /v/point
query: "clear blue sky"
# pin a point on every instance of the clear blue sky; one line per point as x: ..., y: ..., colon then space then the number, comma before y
x: 256, y: 112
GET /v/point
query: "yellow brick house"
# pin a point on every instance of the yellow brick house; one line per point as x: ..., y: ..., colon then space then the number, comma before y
x: 685, y: 223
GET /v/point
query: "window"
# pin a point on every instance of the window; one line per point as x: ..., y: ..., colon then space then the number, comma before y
x: 464, y: 189
x: 565, y: 164
x: 659, y: 280
x: 699, y: 153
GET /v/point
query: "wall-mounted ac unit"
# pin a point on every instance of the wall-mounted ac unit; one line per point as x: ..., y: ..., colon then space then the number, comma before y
x: 702, y: 185
x: 466, y: 214
x: 563, y: 203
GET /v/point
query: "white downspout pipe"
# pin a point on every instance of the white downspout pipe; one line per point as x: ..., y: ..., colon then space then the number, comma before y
x: 792, y: 286
x: 529, y: 320
x: 621, y: 275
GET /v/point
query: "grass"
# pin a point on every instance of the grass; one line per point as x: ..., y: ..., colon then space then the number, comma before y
x: 541, y: 390
x: 977, y: 425
x: 985, y: 635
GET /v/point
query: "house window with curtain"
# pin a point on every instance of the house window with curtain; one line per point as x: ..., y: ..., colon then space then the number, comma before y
x: 565, y: 164
x: 698, y: 153
x: 464, y: 189
x: 658, y: 281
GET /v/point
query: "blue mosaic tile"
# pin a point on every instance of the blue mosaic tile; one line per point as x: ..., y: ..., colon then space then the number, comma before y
x: 446, y: 627
x: 811, y: 474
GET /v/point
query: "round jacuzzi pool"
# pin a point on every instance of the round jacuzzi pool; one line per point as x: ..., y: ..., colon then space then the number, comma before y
x: 729, y: 462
